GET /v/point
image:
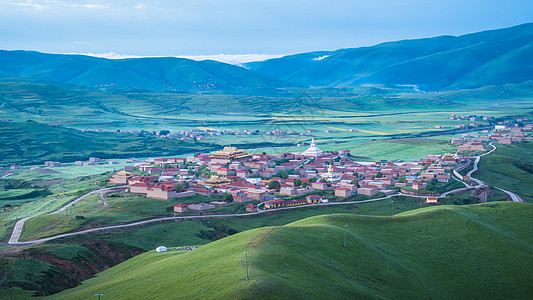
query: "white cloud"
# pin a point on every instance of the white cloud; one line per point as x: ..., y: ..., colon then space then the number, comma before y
x: 90, y: 6
x: 321, y: 57
x: 234, y: 59
x: 28, y: 3
x: 140, y: 6
x: 42, y: 4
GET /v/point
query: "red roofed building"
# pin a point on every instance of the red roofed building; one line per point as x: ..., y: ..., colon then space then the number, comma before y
x: 251, y: 208
x: 225, y: 172
x: 313, y: 199
x: 162, y: 192
x: 343, y: 192
x: 274, y: 203
x: 180, y: 208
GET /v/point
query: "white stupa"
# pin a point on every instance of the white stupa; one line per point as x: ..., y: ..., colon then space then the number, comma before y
x: 312, y: 151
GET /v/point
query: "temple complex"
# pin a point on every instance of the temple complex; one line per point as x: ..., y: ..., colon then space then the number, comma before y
x: 215, y: 180
x: 312, y: 151
x: 229, y: 154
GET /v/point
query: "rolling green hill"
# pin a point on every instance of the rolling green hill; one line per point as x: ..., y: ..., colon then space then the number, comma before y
x: 469, y: 252
x: 143, y: 74
x: 446, y: 62
x: 29, y: 142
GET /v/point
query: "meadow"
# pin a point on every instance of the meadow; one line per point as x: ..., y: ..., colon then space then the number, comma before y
x: 510, y: 167
x: 375, y: 113
x: 386, y: 257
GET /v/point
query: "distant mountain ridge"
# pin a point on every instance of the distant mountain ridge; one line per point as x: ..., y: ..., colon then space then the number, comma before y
x: 493, y: 57
x: 474, y: 60
x: 162, y: 74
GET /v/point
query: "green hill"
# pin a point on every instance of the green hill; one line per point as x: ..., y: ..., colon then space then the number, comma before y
x: 447, y: 62
x: 467, y: 252
x: 167, y: 74
x: 30, y: 142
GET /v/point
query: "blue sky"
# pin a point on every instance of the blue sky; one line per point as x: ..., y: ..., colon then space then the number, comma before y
x: 211, y: 27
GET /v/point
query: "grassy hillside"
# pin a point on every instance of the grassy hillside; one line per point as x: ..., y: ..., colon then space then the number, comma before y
x: 27, y: 143
x: 480, y: 251
x: 446, y: 62
x: 140, y: 74
x: 510, y: 167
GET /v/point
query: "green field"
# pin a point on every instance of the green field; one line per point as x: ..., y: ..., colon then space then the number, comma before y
x: 376, y: 113
x: 440, y: 252
x: 510, y: 167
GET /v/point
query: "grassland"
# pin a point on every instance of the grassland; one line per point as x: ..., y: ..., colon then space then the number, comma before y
x: 480, y: 251
x: 376, y: 113
x: 508, y: 167
x: 27, y: 143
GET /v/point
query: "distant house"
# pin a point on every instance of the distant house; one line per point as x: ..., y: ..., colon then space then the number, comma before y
x: 180, y: 208
x: 432, y: 200
x: 161, y: 249
x: 368, y: 191
x: 274, y: 203
x: 204, y: 192
x: 225, y: 172
x: 313, y: 199
x: 121, y: 177
x: 419, y: 185
x: 251, y: 208
x: 288, y: 191
x: 343, y: 192
x: 256, y: 194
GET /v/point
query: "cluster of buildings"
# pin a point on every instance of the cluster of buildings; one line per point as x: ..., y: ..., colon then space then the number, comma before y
x: 471, y: 118
x: 503, y: 134
x: 279, y: 180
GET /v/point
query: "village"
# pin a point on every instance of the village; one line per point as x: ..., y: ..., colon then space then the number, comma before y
x: 292, y: 179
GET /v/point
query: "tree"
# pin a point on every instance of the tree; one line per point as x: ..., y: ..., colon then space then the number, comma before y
x: 228, y: 197
x: 355, y: 182
x: 323, y: 180
x: 273, y: 185
x: 285, y: 174
x: 312, y: 179
x: 164, y: 132
x: 379, y: 174
x: 304, y: 184
x: 179, y: 187
x: 297, y: 182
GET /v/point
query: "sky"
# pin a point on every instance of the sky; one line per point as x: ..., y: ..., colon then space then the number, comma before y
x: 240, y: 30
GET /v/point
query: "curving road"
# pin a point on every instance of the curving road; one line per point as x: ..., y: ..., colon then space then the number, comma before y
x: 20, y: 224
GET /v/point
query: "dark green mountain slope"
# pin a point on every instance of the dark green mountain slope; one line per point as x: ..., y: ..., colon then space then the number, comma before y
x: 448, y: 252
x: 154, y: 74
x: 469, y: 61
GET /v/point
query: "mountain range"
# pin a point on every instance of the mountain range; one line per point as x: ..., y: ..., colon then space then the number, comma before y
x: 161, y: 74
x: 493, y: 57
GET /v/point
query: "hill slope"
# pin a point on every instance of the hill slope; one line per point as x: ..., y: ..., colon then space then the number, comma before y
x: 446, y: 62
x: 153, y: 74
x: 30, y: 142
x: 441, y: 252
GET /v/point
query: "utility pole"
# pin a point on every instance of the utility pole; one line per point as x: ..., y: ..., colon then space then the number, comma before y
x: 246, y: 262
x: 98, y: 294
x: 392, y: 208
x: 345, y: 234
